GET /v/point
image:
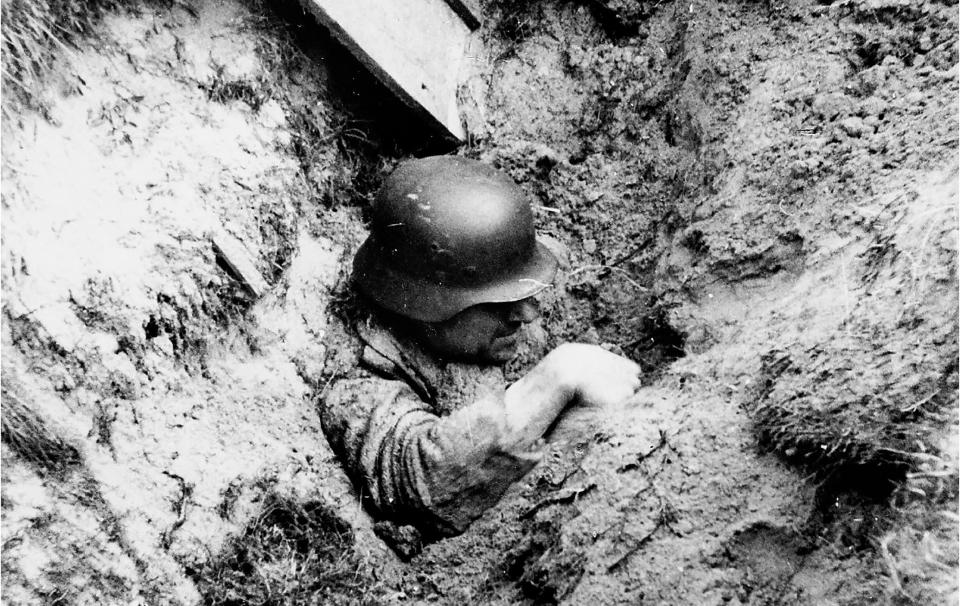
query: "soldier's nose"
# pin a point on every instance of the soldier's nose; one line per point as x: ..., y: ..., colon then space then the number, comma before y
x: 523, y: 311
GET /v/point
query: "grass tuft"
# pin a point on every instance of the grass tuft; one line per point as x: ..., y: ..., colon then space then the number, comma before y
x: 24, y: 431
x: 292, y: 553
x: 921, y: 553
x: 33, y: 31
x: 815, y: 411
x: 516, y: 20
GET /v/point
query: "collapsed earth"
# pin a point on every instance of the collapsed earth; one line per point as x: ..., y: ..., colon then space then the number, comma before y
x: 752, y: 202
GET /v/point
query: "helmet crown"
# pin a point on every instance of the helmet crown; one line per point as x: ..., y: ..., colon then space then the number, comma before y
x: 448, y: 233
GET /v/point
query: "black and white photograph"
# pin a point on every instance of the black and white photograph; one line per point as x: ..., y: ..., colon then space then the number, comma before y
x: 480, y: 302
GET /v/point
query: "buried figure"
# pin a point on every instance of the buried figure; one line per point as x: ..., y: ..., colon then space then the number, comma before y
x: 427, y: 427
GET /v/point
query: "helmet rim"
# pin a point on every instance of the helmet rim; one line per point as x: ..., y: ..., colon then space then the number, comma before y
x: 425, y: 300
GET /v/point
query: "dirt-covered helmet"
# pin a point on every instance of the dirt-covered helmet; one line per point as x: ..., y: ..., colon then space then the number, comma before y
x: 448, y: 233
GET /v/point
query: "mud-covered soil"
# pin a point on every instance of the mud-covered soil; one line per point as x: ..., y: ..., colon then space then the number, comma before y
x: 758, y: 200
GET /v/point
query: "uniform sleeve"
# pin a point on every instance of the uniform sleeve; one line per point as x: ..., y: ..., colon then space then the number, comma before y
x: 414, y: 467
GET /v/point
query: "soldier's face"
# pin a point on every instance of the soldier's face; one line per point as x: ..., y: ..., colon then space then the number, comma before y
x: 489, y: 332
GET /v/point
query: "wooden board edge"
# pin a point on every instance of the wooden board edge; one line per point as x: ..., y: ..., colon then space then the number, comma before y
x: 467, y: 11
x: 451, y: 133
x: 234, y: 254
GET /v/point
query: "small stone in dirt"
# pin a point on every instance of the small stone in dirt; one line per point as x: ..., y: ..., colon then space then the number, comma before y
x: 800, y: 169
x: 271, y: 115
x: 913, y: 98
x: 892, y: 61
x: 683, y: 527
x: 872, y: 106
x: 949, y: 74
x: 878, y: 143
x: 831, y: 105
x: 405, y: 540
x: 589, y: 246
x: 803, y: 94
x: 853, y: 126
x: 241, y: 68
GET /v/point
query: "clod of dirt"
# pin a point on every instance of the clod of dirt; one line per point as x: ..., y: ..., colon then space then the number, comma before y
x: 405, y: 540
x: 544, y: 570
x: 769, y: 559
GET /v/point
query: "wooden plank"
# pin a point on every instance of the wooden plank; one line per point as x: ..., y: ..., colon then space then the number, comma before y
x: 414, y: 47
x: 468, y: 11
x: 234, y: 255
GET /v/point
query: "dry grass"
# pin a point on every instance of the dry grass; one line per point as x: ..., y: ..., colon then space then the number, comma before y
x: 33, y: 33
x: 292, y: 553
x: 516, y: 20
x: 872, y: 407
x: 920, y: 553
x: 815, y: 411
x: 875, y: 391
x: 27, y: 434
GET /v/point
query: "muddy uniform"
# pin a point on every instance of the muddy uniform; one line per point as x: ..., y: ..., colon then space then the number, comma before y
x: 424, y: 441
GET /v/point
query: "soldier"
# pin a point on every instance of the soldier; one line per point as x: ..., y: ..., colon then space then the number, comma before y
x: 433, y: 436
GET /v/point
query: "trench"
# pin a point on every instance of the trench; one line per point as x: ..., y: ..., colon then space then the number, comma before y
x: 606, y: 294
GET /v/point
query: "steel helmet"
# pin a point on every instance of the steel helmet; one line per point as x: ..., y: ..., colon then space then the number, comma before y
x: 448, y: 233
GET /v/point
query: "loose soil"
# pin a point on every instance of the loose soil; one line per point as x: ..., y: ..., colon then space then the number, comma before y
x: 756, y: 200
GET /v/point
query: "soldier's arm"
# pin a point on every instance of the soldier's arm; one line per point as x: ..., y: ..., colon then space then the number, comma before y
x: 412, y: 466
x: 441, y: 473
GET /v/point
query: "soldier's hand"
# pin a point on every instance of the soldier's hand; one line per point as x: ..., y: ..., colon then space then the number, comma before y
x: 594, y: 376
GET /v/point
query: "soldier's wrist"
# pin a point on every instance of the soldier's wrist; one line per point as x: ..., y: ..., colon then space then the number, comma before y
x: 562, y: 372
